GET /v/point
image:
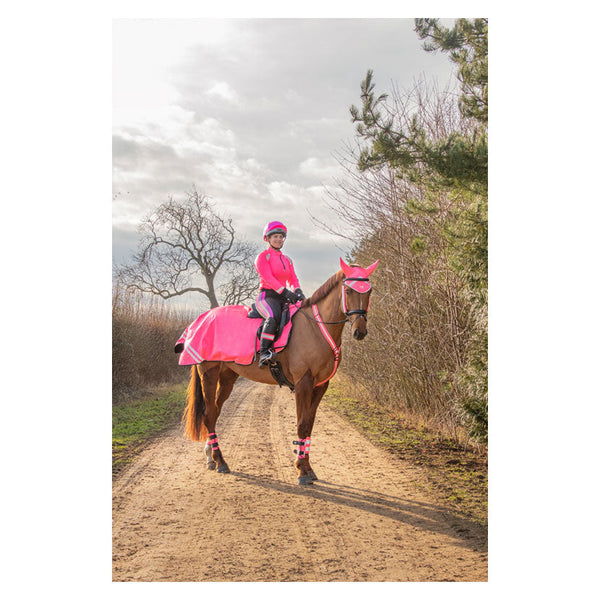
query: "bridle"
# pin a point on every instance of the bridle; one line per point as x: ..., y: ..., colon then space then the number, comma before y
x: 359, y: 312
x: 360, y: 285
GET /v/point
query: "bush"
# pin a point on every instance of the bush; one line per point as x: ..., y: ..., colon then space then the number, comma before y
x: 143, y: 338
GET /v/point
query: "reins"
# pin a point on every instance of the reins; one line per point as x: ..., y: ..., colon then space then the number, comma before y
x: 323, y: 322
x: 359, y: 312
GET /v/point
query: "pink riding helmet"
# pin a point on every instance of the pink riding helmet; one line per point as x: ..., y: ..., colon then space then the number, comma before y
x: 274, y: 227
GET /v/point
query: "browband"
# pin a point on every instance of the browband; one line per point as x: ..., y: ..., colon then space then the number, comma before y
x: 358, y: 284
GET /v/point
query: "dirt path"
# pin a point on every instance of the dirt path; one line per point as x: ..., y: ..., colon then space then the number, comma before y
x: 364, y: 520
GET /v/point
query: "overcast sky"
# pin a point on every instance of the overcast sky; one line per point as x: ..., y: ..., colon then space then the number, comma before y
x: 251, y: 112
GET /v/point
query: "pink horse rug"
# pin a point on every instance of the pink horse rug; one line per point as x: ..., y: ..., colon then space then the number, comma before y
x: 226, y: 333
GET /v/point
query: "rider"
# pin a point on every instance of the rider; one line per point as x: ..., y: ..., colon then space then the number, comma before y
x: 275, y: 270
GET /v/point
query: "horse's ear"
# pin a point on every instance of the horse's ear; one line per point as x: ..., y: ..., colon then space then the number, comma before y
x: 370, y: 269
x: 345, y: 268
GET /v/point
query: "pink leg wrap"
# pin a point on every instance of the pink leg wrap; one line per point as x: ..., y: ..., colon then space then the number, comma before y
x: 304, y: 447
x: 212, y: 441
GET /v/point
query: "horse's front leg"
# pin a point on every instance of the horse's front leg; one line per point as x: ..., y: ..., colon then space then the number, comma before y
x: 317, y: 395
x: 307, y: 402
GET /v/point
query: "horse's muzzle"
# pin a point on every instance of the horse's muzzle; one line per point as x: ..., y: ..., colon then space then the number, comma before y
x: 358, y: 335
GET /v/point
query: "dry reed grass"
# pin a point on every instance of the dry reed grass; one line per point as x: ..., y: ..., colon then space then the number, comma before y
x: 143, y: 337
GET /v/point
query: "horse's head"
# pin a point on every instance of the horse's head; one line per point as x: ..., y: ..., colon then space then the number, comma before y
x: 356, y: 293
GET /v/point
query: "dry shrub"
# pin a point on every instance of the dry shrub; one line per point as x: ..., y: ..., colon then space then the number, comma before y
x: 422, y: 321
x: 143, y: 337
x: 418, y: 323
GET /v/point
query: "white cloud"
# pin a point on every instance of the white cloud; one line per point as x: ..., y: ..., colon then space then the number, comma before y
x: 286, y: 194
x: 223, y: 91
x: 317, y: 168
x: 249, y: 111
x: 146, y: 53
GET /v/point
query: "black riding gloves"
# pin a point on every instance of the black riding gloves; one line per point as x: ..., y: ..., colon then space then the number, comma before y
x: 299, y: 294
x: 289, y: 296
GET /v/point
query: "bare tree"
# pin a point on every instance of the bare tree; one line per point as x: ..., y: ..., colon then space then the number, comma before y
x: 241, y: 285
x: 187, y: 247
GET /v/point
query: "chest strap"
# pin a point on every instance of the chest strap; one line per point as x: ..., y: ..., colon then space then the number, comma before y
x: 332, y: 344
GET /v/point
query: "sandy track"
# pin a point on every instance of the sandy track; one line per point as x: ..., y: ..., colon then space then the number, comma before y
x: 364, y: 520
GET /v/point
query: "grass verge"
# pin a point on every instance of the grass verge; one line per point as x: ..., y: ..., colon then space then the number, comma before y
x: 136, y: 420
x: 457, y: 476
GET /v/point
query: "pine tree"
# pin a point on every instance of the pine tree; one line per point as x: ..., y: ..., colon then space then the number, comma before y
x: 457, y: 163
x: 467, y: 45
x: 458, y: 160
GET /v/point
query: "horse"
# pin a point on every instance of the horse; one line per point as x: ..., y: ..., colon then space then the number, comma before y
x: 309, y: 361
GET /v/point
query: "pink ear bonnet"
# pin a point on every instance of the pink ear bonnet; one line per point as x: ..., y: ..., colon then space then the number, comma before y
x: 354, y: 275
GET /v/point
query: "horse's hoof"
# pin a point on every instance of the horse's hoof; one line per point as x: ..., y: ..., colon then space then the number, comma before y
x: 211, y: 466
x: 312, y: 475
x: 223, y: 469
x: 305, y: 480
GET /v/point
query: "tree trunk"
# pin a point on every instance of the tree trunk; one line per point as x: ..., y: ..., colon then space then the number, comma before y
x: 212, y: 297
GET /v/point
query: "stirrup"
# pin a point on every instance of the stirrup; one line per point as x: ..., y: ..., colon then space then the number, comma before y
x: 265, y: 357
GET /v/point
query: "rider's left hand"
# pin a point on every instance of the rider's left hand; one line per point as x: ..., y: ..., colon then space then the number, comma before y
x: 289, y: 296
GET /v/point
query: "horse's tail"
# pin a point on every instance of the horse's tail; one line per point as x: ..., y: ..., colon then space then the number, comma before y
x: 194, y: 410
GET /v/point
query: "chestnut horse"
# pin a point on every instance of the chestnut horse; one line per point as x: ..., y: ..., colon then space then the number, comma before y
x: 309, y: 361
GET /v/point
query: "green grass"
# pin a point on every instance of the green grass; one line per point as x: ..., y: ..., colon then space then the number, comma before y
x: 457, y: 476
x: 137, y: 420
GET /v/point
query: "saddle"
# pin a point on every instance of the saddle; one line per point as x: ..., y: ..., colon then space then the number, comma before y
x: 275, y: 365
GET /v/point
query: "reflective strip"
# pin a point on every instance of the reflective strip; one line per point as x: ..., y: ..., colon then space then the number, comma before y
x: 192, y: 352
x: 267, y: 336
x: 327, y: 336
x: 263, y: 308
x: 324, y: 330
x: 359, y: 286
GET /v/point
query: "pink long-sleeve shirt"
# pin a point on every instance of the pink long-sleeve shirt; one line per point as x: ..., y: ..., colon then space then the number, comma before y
x: 275, y: 270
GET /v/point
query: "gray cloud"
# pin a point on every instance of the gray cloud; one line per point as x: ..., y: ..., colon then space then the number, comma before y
x: 252, y: 118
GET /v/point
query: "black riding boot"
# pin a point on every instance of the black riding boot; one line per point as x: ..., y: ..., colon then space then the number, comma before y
x: 266, y: 341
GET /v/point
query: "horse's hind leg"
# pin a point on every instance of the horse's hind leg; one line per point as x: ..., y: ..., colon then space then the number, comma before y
x: 211, y: 465
x: 226, y: 381
x: 210, y: 380
x: 217, y: 383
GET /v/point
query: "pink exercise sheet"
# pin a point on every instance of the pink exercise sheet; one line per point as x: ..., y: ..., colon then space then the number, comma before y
x: 226, y: 333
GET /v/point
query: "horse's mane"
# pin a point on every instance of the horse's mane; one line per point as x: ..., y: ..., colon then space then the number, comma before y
x: 324, y: 290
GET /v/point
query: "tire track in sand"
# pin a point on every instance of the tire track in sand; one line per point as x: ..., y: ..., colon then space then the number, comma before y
x: 364, y: 520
